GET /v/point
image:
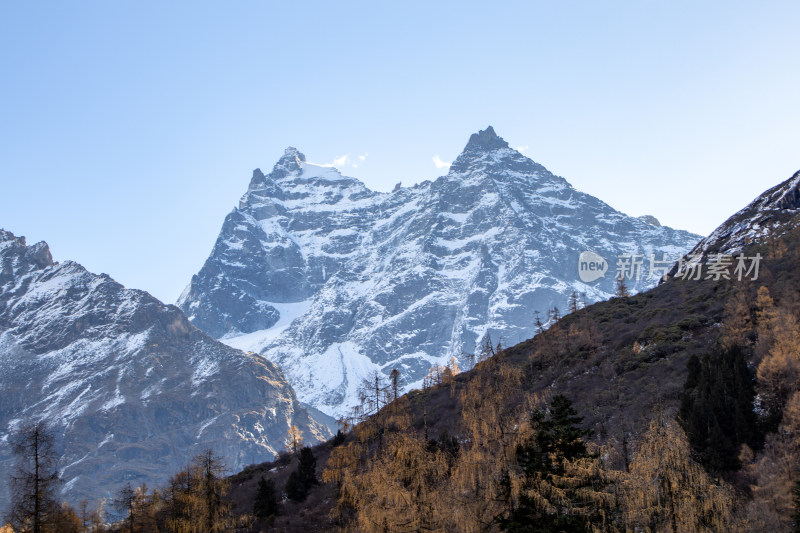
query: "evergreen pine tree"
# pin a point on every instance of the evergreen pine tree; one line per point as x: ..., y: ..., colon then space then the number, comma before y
x: 551, y: 499
x: 339, y: 438
x: 559, y: 438
x: 294, y: 488
x: 301, y: 480
x: 307, y: 469
x: 717, y: 408
x: 266, y: 502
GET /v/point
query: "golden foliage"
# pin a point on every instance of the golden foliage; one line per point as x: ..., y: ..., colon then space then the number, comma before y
x: 737, y: 322
x: 775, y: 471
x: 405, y: 483
x: 479, y: 482
x: 765, y: 320
x: 667, y: 491
x: 193, y: 501
x: 400, y: 492
x: 779, y: 371
x: 294, y: 440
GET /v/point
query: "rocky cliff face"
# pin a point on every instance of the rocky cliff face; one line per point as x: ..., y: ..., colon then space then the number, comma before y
x: 132, y: 388
x: 333, y: 281
x: 773, y: 210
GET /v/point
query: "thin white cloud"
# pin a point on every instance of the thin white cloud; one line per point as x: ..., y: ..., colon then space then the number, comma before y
x: 345, y: 161
x: 521, y: 149
x: 439, y: 163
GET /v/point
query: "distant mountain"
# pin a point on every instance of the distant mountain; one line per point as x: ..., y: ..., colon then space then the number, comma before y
x: 333, y: 281
x: 131, y: 387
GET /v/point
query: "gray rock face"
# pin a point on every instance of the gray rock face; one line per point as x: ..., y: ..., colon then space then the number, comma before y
x: 132, y: 388
x: 366, y: 281
x: 650, y: 219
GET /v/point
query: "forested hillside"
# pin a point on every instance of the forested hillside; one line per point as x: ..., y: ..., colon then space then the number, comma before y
x: 672, y: 410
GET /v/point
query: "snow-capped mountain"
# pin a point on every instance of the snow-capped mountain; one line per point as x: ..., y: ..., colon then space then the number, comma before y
x: 131, y: 387
x: 333, y: 281
x: 772, y: 210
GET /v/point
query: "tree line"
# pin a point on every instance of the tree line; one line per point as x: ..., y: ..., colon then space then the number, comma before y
x: 728, y: 459
x: 528, y: 469
x: 194, y: 500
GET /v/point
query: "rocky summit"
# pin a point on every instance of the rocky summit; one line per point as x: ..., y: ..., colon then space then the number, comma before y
x: 771, y: 212
x: 334, y: 281
x: 131, y: 388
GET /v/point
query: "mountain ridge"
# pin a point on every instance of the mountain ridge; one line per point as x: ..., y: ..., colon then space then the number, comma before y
x: 408, y: 278
x: 131, y: 388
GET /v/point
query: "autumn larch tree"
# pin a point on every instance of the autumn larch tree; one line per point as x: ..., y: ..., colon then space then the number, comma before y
x: 125, y: 502
x: 65, y: 519
x: 537, y: 322
x: 622, y: 289
x: 765, y: 322
x: 213, y: 487
x: 779, y: 371
x: 34, y: 478
x: 573, y: 302
x: 394, y: 382
x: 295, y: 439
x: 775, y: 472
x: 374, y: 393
x: 85, y: 515
x: 737, y: 324
x: 666, y: 490
x: 487, y: 350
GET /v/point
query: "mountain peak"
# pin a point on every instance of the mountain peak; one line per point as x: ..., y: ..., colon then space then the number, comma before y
x: 293, y: 153
x: 291, y: 161
x: 485, y: 140
x: 479, y: 145
x: 482, y: 247
x: 292, y: 158
x: 16, y: 256
x: 7, y: 236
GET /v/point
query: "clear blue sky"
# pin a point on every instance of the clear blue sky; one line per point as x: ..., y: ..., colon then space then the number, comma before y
x: 129, y: 129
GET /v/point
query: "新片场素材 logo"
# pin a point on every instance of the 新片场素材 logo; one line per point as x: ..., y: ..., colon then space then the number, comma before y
x: 635, y: 267
x: 591, y: 267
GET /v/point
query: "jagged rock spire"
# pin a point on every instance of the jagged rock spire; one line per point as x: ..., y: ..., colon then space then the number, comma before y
x: 485, y: 140
x: 479, y: 144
